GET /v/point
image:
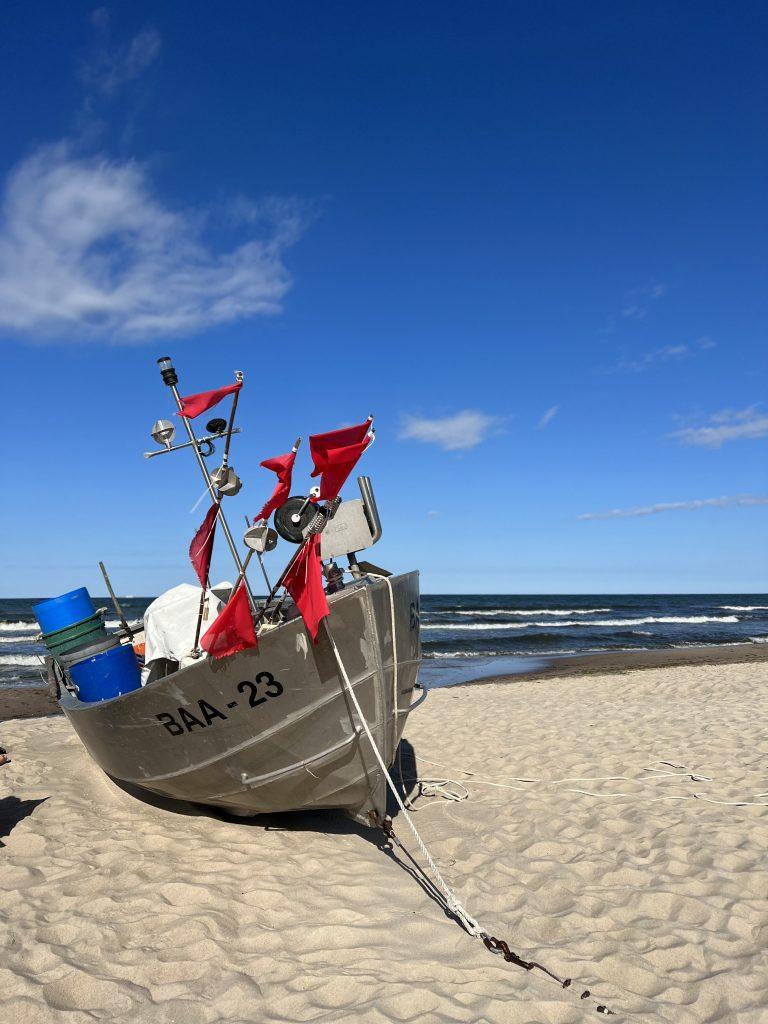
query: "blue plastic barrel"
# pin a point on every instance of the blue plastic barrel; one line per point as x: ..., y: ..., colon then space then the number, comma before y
x: 107, y: 675
x: 59, y: 612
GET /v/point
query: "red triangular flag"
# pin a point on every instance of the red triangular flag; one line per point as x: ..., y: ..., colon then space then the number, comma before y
x: 335, y: 454
x: 304, y: 583
x: 233, y: 630
x: 283, y: 466
x: 193, y: 405
x: 201, y: 548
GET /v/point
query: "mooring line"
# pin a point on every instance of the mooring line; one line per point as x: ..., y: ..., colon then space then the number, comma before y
x: 468, y: 922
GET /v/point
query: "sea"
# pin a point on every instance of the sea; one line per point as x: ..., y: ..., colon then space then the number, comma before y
x: 467, y: 636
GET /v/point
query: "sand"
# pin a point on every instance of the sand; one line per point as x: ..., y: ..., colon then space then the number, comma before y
x: 115, y: 909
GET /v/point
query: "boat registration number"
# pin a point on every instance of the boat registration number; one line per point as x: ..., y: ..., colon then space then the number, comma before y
x: 203, y: 714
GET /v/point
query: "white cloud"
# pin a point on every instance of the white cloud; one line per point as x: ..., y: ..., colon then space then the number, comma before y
x: 111, y: 67
x: 666, y: 354
x: 88, y: 251
x: 726, y: 425
x: 548, y: 416
x: 459, y: 432
x: 742, y: 500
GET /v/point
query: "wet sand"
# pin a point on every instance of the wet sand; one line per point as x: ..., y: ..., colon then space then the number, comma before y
x: 37, y: 702
x: 619, y: 662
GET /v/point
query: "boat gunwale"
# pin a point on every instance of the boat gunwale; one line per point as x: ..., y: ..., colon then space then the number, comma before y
x: 71, y: 704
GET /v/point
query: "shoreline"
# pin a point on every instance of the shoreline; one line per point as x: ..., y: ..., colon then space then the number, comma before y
x: 37, y: 702
x: 622, y: 662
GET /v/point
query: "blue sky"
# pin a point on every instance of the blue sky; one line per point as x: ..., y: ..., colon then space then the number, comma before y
x: 530, y: 238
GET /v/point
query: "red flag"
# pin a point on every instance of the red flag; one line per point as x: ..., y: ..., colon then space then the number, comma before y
x: 283, y: 466
x: 201, y: 548
x: 193, y: 405
x: 233, y: 630
x: 304, y: 583
x: 335, y: 455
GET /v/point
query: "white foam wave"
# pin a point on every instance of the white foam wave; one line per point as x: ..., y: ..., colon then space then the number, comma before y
x: 479, y: 612
x: 497, y: 626
x: 759, y: 639
x: 744, y: 607
x: 20, y: 659
x: 19, y: 627
x: 15, y: 639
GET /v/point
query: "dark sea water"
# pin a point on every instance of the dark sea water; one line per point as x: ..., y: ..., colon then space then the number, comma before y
x: 476, y: 634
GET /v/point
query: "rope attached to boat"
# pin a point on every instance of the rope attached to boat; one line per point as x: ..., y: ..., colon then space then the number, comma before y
x: 468, y: 922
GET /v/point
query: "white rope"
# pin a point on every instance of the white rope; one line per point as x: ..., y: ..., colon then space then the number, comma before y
x: 451, y: 899
x: 388, y: 581
x: 687, y: 773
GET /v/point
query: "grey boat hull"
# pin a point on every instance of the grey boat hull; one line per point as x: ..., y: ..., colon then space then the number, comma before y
x: 272, y: 730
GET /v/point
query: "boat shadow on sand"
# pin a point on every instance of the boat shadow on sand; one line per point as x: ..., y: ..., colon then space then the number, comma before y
x: 12, y: 811
x: 329, y: 822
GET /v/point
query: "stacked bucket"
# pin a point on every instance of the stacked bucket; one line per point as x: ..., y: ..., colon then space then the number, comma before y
x: 99, y: 666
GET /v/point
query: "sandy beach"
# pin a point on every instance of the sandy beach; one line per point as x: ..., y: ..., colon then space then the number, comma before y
x: 643, y: 884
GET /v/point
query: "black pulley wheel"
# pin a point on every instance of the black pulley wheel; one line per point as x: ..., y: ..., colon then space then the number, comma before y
x: 216, y: 426
x: 284, y: 524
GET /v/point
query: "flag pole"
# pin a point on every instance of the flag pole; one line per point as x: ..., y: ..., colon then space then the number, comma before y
x: 171, y: 379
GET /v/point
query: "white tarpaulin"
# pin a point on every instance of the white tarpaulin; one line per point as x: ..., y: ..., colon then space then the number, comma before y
x: 171, y: 619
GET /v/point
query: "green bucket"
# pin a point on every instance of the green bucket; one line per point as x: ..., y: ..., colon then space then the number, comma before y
x: 80, y: 634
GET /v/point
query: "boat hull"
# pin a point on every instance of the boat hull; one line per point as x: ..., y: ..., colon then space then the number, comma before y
x: 272, y: 730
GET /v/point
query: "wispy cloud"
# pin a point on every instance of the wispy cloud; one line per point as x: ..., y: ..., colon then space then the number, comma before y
x: 639, y: 300
x: 743, y: 500
x: 111, y: 66
x: 548, y: 416
x: 636, y: 305
x: 660, y: 356
x: 459, y: 432
x: 87, y: 250
x: 726, y: 425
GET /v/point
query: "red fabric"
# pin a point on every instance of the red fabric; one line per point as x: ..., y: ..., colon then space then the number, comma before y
x: 233, y: 630
x: 201, y: 548
x: 283, y: 466
x: 305, y: 585
x: 335, y: 455
x: 193, y: 405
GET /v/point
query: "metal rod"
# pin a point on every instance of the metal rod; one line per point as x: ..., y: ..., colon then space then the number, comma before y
x: 186, y: 444
x: 115, y: 602
x: 214, y: 496
x: 200, y: 611
x: 279, y: 583
x: 261, y: 560
x: 232, y: 411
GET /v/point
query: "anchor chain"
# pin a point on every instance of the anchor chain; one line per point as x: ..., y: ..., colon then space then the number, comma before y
x: 490, y: 942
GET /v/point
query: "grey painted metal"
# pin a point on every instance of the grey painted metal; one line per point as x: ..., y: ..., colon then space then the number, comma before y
x: 208, y: 440
x: 194, y: 735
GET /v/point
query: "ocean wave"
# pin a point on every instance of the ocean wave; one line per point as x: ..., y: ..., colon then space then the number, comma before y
x: 19, y: 627
x: 529, y: 611
x: 744, y: 607
x: 759, y: 639
x: 23, y: 640
x: 494, y: 626
x: 20, y: 659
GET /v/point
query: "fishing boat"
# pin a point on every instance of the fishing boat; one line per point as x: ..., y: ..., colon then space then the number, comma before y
x: 293, y: 702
